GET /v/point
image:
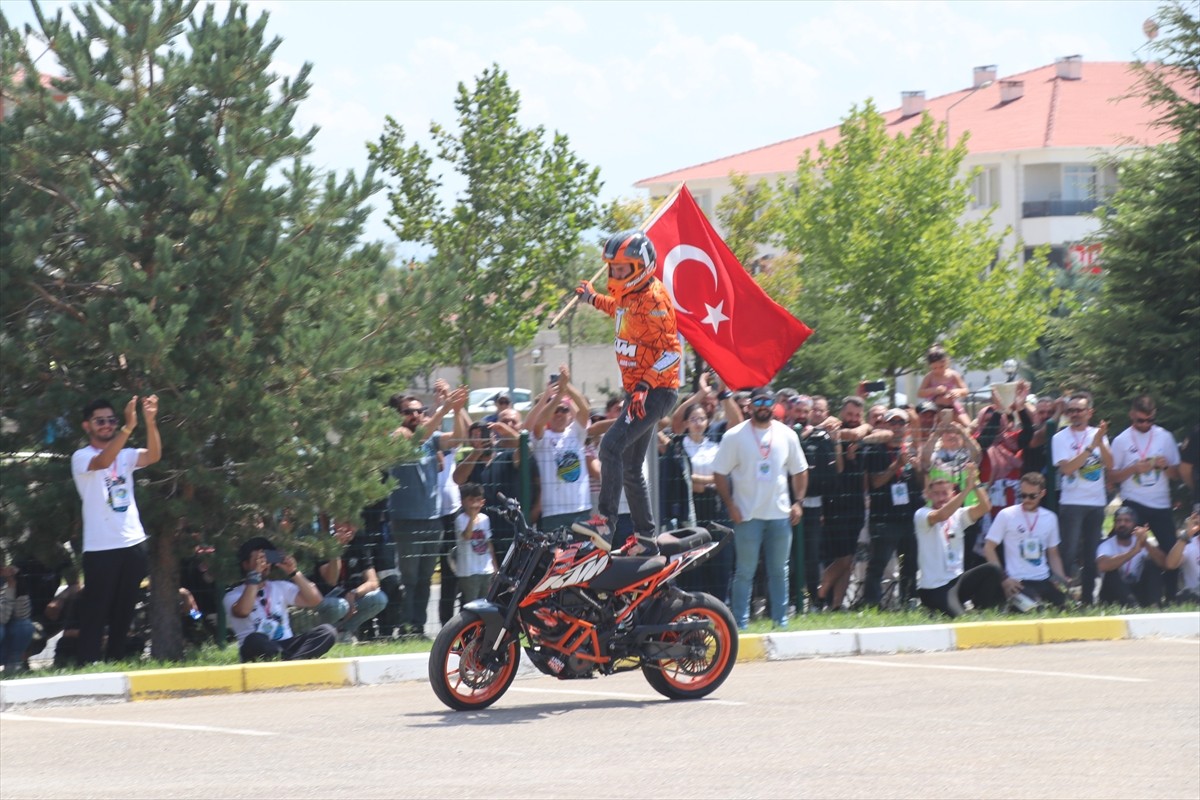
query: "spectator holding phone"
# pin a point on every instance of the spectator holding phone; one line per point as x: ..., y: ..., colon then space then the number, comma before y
x: 557, y: 426
x: 257, y: 609
x: 350, y: 582
x: 114, y: 541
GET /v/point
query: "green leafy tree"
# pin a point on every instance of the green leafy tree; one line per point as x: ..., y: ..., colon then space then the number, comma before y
x: 1143, y: 332
x: 875, y: 223
x: 161, y: 232
x: 499, y: 248
x: 744, y: 215
x: 830, y: 354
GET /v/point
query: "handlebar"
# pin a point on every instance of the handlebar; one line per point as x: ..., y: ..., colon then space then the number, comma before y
x: 510, y: 509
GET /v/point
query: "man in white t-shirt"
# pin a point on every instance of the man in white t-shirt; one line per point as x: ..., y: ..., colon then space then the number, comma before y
x: 114, y: 550
x: 1145, y: 461
x: 558, y: 425
x: 1185, y: 557
x: 257, y: 610
x: 1029, y: 534
x: 754, y: 462
x: 1082, y: 456
x: 1130, y: 564
x: 940, y: 528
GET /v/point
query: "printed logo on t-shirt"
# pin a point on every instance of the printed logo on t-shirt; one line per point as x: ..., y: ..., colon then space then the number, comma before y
x: 118, y: 492
x: 570, y: 468
x: 478, y: 543
x: 1092, y: 468
x: 1031, y: 551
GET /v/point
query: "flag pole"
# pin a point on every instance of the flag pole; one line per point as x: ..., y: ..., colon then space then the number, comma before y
x: 646, y: 223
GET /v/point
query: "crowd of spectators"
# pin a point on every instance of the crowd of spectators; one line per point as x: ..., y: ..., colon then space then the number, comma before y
x: 866, y: 505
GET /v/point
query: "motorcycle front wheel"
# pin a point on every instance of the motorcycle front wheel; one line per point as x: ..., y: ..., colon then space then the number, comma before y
x: 712, y: 650
x: 461, y: 678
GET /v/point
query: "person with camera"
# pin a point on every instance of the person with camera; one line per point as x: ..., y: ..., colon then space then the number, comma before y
x: 557, y: 425
x: 494, y: 462
x: 257, y: 609
x: 350, y: 581
x: 114, y: 541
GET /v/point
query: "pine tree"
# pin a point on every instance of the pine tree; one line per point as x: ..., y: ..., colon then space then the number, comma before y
x: 161, y: 232
x: 1143, y: 332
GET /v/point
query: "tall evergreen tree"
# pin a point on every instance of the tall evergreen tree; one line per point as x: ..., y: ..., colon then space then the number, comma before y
x: 1143, y: 332
x: 514, y: 227
x: 161, y: 232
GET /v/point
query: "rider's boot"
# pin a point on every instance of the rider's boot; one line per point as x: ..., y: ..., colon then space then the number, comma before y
x: 598, y: 530
x: 642, y: 545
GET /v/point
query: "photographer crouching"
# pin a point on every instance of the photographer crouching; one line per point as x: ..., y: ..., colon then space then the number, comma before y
x: 257, y: 610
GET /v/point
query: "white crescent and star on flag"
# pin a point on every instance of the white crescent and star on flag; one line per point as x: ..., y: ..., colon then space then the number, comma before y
x: 679, y: 255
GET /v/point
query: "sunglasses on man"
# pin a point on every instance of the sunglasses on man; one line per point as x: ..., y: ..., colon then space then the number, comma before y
x: 763, y: 402
x: 103, y: 420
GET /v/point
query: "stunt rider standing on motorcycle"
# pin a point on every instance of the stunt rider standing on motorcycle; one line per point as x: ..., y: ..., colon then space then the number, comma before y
x: 648, y: 355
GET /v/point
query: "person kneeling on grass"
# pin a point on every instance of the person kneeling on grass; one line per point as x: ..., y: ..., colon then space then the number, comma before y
x: 943, y: 586
x: 257, y: 609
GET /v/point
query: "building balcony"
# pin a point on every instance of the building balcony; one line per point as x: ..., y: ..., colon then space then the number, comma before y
x: 1059, y: 208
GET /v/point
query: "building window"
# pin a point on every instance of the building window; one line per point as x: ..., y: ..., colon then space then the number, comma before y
x: 703, y: 199
x: 1079, y: 182
x: 985, y: 188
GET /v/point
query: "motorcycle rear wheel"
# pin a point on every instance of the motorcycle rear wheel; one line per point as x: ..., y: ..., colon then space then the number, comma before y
x: 715, y: 650
x: 456, y: 673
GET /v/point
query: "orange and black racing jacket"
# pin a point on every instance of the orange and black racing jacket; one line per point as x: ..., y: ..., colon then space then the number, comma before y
x: 647, y: 343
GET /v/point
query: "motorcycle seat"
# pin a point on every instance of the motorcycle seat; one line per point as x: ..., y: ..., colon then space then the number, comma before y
x: 672, y: 543
x: 625, y: 571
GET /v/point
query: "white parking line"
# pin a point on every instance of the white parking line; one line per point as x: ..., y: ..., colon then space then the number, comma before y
x: 9, y: 717
x: 618, y: 695
x: 1085, y: 676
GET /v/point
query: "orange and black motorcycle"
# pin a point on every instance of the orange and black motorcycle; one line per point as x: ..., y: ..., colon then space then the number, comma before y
x: 580, y: 611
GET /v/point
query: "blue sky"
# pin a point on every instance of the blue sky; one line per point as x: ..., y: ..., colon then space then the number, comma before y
x: 642, y: 88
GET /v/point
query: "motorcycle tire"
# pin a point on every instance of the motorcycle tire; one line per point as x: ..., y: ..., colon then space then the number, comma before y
x: 457, y: 676
x: 716, y: 650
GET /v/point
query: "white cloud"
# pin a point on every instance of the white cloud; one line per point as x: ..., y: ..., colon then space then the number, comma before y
x: 558, y: 19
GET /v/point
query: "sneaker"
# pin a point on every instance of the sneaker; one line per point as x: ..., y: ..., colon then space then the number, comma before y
x: 642, y: 546
x: 346, y: 637
x: 597, y: 530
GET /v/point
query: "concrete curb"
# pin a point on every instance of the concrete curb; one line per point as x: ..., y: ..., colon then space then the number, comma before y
x: 375, y: 670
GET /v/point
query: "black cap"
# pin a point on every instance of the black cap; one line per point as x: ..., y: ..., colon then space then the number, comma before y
x: 926, y: 405
x: 250, y: 545
x: 760, y: 392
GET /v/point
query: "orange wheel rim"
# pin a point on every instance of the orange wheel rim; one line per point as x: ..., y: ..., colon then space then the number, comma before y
x: 711, y: 651
x: 466, y: 675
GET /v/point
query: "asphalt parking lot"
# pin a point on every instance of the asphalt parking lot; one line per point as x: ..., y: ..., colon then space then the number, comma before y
x: 1114, y: 719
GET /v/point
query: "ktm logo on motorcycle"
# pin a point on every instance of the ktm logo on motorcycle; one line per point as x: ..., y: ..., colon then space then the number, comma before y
x: 582, y: 572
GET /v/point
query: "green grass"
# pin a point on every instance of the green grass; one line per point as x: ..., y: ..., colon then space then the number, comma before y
x: 213, y: 656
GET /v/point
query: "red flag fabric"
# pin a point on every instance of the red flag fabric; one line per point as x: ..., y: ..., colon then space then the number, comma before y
x: 741, y: 332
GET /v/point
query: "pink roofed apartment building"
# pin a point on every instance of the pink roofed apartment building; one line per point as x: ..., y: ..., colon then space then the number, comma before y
x: 1039, y: 138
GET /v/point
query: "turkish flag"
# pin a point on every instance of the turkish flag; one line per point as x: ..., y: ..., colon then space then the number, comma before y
x: 741, y: 332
